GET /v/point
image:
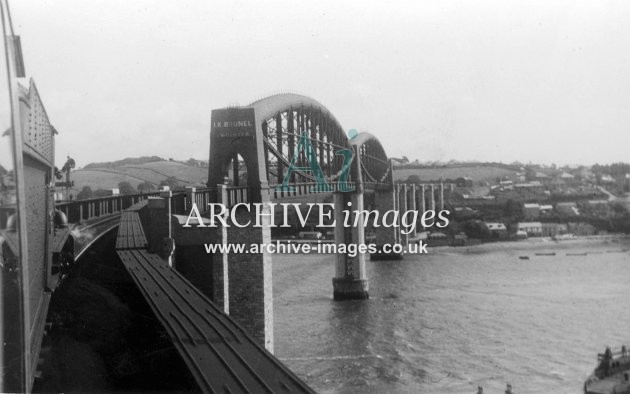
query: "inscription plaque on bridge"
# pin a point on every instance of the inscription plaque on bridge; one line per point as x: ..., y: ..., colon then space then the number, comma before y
x: 233, y: 122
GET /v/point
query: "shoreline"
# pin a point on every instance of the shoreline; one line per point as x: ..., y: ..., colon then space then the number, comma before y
x: 619, y: 243
x: 616, y: 242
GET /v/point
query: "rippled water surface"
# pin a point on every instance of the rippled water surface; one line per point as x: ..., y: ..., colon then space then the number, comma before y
x: 456, y: 318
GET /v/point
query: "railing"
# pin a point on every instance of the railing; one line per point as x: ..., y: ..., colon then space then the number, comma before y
x: 622, y: 352
x: 377, y: 186
x: 306, y: 188
x: 79, y: 211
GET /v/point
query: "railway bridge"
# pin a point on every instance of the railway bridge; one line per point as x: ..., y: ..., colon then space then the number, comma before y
x: 261, y: 153
x: 216, y: 307
x: 285, y: 148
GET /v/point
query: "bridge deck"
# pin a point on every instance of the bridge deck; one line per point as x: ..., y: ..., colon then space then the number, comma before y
x: 130, y: 232
x: 218, y: 352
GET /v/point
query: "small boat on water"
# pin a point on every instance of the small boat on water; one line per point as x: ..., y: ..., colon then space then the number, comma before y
x: 612, y: 374
x: 546, y: 254
x: 523, y: 257
x: 577, y: 254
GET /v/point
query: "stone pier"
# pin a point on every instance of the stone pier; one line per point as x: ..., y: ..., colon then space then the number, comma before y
x: 350, y: 281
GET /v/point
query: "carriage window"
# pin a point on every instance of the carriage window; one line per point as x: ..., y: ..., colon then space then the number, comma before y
x: 9, y: 234
x: 7, y: 173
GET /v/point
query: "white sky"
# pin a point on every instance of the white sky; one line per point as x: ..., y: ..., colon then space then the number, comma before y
x: 540, y: 81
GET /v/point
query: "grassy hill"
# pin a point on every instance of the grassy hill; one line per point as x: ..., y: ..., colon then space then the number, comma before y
x: 136, y: 171
x: 184, y: 173
x: 102, y: 179
x: 154, y: 170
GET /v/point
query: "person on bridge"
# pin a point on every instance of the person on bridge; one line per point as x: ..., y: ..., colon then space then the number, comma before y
x: 604, y: 366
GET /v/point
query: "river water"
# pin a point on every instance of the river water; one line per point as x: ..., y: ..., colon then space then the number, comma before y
x: 457, y: 318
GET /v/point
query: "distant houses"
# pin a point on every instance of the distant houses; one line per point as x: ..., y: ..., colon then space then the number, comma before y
x: 497, y: 230
x: 597, y: 208
x: 545, y: 210
x: 542, y: 229
x: 581, y: 229
x: 541, y: 177
x: 533, y: 185
x: 531, y: 210
x: 464, y: 213
x: 568, y: 178
x: 607, y: 179
x: 534, y: 201
x: 532, y: 229
x: 567, y: 209
x: 553, y: 229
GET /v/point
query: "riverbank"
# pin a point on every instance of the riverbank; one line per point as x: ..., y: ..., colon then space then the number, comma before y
x: 618, y: 243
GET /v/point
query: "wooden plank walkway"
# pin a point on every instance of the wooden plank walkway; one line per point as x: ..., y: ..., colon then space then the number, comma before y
x: 130, y: 232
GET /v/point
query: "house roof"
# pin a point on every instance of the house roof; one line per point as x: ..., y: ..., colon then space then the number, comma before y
x: 529, y: 224
x: 495, y: 226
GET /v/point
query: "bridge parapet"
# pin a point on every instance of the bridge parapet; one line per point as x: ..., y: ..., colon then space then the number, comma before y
x: 80, y: 211
x: 223, y: 353
x: 240, y: 283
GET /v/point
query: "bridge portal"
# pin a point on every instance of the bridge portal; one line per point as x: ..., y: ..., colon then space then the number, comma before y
x: 268, y: 134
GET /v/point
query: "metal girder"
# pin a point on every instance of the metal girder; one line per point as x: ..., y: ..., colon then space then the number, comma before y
x: 284, y: 117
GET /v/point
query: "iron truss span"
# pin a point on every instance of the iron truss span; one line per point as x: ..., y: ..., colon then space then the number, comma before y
x: 219, y: 354
x: 285, y: 117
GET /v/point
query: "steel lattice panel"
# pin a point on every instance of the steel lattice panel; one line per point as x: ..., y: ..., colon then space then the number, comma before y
x: 37, y: 131
x: 36, y: 216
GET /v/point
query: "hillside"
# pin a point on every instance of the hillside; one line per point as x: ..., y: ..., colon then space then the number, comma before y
x: 101, y: 179
x: 477, y: 172
x: 136, y: 171
x: 125, y: 161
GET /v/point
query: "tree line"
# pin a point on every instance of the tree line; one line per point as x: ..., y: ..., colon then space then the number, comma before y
x: 126, y: 188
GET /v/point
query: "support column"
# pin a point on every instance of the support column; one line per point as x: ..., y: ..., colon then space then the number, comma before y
x: 385, y: 200
x: 441, y: 196
x: 350, y: 281
x: 235, y: 170
x: 191, y: 193
x: 236, y: 131
x: 158, y: 223
x: 291, y: 139
x: 413, y: 207
x: 250, y: 292
x: 403, y: 206
x: 279, y: 146
x: 432, y: 197
x: 220, y: 277
x: 396, y: 207
x: 206, y: 271
x: 423, y: 206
